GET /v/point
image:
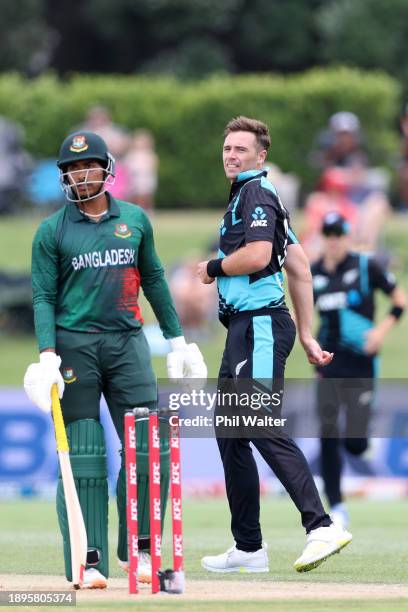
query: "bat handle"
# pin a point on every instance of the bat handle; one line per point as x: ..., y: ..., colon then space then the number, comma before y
x: 60, y: 433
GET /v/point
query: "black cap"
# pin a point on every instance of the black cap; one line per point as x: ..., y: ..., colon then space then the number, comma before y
x: 335, y: 225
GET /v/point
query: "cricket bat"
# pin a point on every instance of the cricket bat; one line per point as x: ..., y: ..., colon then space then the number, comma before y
x: 77, y: 532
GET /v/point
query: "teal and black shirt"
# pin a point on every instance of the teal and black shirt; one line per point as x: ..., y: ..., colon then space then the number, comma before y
x: 344, y: 299
x: 86, y: 276
x: 254, y: 212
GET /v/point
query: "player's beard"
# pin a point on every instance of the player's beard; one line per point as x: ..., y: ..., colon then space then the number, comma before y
x: 90, y: 191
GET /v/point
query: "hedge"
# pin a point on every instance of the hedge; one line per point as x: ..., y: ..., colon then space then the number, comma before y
x: 187, y: 120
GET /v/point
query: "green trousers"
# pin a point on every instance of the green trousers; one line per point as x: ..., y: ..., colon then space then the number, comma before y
x: 117, y: 365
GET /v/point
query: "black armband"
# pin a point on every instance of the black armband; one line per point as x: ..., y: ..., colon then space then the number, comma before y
x: 396, y: 312
x: 214, y: 268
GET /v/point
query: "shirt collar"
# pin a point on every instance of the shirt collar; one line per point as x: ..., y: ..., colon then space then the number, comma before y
x: 250, y: 174
x: 244, y: 177
x: 75, y: 214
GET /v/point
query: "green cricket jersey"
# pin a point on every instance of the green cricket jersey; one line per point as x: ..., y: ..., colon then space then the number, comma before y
x: 86, y: 275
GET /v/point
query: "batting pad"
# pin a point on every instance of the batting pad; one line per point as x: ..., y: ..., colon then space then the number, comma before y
x: 88, y: 460
x: 142, y: 462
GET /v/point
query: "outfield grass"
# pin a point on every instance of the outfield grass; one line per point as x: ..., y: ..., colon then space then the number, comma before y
x: 186, y: 235
x: 30, y: 544
x: 30, y: 540
x: 178, y: 235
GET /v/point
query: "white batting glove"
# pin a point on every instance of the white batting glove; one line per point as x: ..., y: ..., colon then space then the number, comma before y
x: 185, y: 361
x: 40, y: 377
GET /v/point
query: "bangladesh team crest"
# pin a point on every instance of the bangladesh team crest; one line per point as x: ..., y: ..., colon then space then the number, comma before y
x: 78, y: 144
x: 122, y: 231
x: 68, y: 375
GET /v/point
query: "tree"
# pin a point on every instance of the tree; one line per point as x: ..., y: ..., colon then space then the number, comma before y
x: 177, y: 36
x: 185, y: 38
x: 275, y: 36
x: 366, y: 33
x: 26, y: 40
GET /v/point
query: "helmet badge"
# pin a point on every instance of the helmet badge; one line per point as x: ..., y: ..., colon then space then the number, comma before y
x: 78, y: 144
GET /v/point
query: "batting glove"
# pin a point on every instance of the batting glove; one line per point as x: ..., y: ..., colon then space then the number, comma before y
x: 185, y: 361
x: 40, y: 377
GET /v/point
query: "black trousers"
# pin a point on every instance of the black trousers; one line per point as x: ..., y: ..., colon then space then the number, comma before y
x: 255, y: 354
x: 345, y: 392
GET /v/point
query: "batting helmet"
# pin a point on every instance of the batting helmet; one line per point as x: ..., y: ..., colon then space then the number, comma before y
x: 82, y: 146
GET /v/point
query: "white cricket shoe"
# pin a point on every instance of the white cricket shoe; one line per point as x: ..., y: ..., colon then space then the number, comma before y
x: 340, y: 516
x: 235, y: 560
x: 144, y: 569
x: 94, y: 579
x: 321, y: 544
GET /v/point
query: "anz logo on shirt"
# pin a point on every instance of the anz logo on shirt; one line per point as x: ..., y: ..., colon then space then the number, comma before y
x: 223, y: 229
x: 259, y: 219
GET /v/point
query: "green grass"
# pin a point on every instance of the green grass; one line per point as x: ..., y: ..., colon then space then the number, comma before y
x: 30, y: 544
x: 187, y: 235
x: 178, y: 235
x: 30, y: 540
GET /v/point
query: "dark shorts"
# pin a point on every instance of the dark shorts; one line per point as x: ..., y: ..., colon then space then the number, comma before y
x: 117, y: 364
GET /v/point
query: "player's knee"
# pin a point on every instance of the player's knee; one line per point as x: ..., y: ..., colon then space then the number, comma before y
x: 87, y: 449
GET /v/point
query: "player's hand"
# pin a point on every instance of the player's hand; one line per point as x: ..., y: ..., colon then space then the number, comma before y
x: 202, y: 273
x: 374, y: 341
x: 315, y: 354
x: 40, y: 377
x: 185, y: 361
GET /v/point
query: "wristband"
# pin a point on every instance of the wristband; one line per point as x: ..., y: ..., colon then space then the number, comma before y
x: 396, y: 312
x: 214, y: 268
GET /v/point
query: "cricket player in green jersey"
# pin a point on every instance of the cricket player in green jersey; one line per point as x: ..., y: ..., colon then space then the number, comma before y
x: 89, y: 260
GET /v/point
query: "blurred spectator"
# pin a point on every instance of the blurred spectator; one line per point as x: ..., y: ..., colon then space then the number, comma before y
x: 404, y: 133
x: 341, y: 146
x: 331, y: 196
x: 402, y: 170
x: 196, y: 303
x: 286, y: 184
x: 120, y: 186
x: 15, y: 166
x: 402, y: 203
x: 141, y: 163
x: 98, y: 120
x: 44, y: 185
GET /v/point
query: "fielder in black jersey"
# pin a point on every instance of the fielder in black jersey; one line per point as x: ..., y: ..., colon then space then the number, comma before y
x: 344, y: 285
x: 256, y: 242
x: 254, y: 213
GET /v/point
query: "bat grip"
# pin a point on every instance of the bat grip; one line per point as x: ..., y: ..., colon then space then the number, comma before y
x: 60, y: 433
